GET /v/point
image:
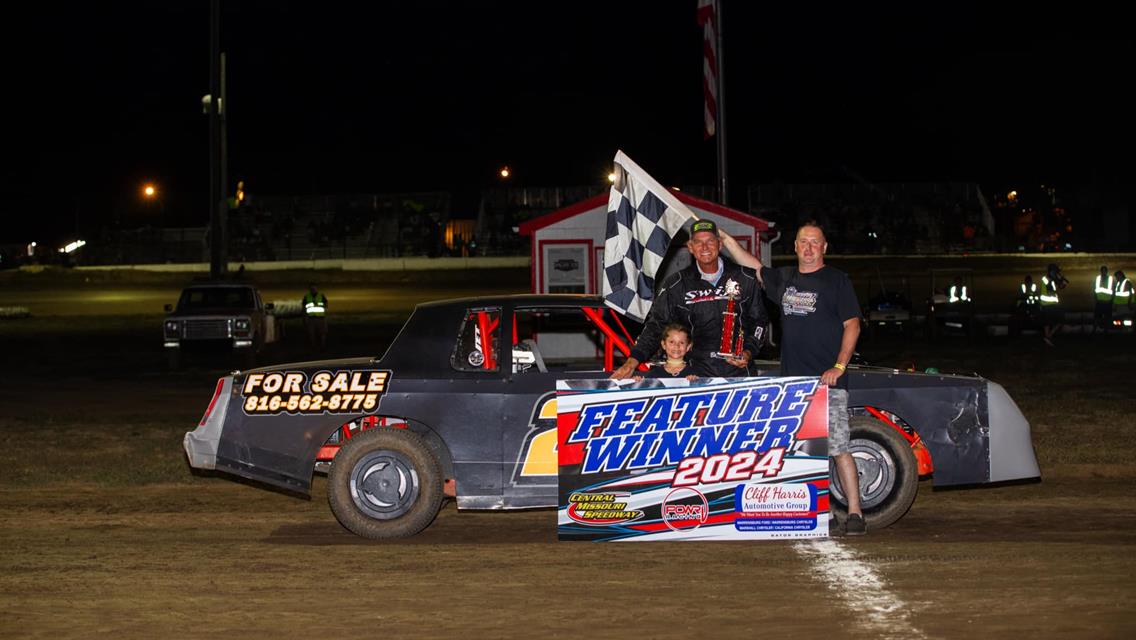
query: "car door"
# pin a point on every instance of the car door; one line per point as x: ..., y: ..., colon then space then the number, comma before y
x: 550, y: 343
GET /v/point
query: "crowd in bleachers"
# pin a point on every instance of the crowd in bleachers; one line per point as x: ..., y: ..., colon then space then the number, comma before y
x: 356, y: 226
x: 881, y: 219
x: 858, y: 218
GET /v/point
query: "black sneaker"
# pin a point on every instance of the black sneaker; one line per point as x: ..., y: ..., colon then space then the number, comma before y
x: 834, y: 528
x: 855, y: 525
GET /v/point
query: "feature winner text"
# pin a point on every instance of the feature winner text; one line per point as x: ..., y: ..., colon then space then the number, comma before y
x: 326, y: 391
x: 711, y: 435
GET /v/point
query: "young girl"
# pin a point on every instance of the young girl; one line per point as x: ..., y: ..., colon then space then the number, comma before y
x: 676, y: 344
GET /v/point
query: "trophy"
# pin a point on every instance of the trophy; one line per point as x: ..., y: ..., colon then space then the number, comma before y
x: 732, y: 333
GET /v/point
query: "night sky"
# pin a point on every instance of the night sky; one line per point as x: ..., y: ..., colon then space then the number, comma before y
x: 387, y: 97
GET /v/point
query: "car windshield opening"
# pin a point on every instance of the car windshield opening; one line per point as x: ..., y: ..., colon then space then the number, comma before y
x: 216, y: 298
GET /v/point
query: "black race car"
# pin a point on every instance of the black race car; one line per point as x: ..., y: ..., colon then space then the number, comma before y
x: 448, y: 411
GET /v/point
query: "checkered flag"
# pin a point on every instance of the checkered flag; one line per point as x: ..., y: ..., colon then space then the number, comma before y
x: 642, y: 218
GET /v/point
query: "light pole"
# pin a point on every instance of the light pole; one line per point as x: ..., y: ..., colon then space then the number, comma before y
x: 150, y: 192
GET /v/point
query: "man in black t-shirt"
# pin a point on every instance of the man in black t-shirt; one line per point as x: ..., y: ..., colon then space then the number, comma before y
x: 820, y: 323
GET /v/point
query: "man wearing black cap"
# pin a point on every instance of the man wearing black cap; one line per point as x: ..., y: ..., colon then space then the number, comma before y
x: 700, y: 297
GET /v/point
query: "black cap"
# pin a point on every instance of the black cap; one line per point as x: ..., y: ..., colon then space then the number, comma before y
x: 703, y: 225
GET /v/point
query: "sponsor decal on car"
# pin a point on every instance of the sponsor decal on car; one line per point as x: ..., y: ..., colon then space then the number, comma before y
x: 537, y: 462
x: 322, y: 392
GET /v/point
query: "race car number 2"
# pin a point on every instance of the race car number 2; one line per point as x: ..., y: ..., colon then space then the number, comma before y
x: 322, y: 392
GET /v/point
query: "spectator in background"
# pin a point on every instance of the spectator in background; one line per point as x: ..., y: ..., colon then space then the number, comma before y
x: 1051, y: 314
x: 1122, y: 299
x: 315, y: 318
x: 1027, y: 297
x: 1103, y: 289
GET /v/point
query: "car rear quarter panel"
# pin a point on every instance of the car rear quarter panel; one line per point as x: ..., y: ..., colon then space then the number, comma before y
x: 971, y: 427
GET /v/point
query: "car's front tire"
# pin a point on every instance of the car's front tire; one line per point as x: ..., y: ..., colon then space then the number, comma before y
x: 888, y: 472
x: 385, y: 483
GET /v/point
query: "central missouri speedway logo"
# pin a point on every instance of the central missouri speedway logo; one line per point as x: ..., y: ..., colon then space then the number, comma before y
x: 718, y: 434
x: 685, y: 509
x: 601, y: 509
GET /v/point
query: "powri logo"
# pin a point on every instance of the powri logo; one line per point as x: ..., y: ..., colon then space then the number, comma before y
x: 685, y: 509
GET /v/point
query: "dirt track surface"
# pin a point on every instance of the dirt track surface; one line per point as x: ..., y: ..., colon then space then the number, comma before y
x: 220, y: 557
x: 105, y: 531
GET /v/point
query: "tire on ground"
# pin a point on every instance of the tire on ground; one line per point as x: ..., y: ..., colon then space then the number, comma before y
x: 889, y: 474
x: 385, y: 483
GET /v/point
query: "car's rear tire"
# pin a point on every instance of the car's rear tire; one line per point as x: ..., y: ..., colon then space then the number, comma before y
x: 385, y: 483
x: 889, y: 474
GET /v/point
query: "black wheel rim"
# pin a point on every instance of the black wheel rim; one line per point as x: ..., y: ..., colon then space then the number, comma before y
x: 384, y: 484
x: 876, y: 469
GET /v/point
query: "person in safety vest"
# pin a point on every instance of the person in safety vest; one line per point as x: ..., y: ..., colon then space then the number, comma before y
x: 1028, y: 297
x: 1103, y: 287
x: 1122, y: 299
x: 1029, y: 294
x: 315, y: 318
x: 1051, y: 314
x: 957, y: 293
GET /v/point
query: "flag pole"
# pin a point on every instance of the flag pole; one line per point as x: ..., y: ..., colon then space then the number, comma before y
x: 723, y: 190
